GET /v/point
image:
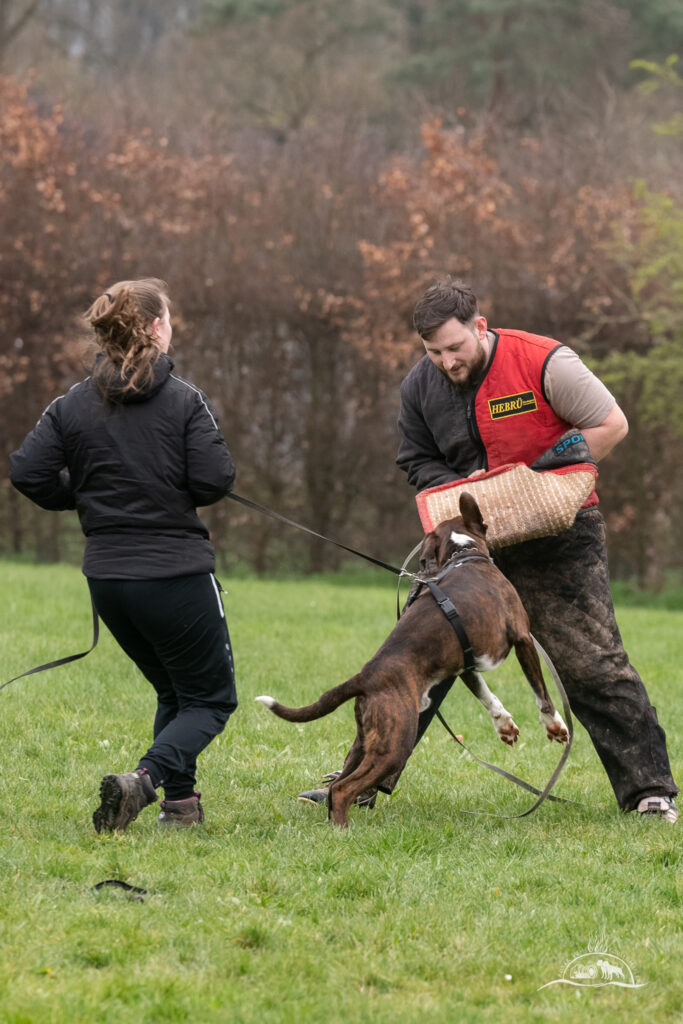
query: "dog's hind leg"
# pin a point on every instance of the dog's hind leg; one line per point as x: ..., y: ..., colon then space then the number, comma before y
x: 354, y: 755
x: 343, y: 791
x: 386, y: 736
x: 549, y: 717
x: 502, y: 719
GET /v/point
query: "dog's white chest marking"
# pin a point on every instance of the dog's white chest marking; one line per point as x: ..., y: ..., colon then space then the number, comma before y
x: 486, y: 663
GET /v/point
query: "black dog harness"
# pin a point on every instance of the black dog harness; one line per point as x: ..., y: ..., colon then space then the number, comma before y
x: 446, y: 605
x: 451, y: 613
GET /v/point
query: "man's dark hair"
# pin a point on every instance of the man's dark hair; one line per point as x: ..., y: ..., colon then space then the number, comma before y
x: 446, y: 299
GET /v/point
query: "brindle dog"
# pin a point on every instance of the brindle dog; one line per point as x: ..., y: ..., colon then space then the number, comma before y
x: 422, y: 649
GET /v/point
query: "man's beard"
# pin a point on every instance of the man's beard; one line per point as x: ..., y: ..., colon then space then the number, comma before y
x: 474, y: 373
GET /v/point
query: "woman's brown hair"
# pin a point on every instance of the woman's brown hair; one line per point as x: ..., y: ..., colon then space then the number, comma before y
x: 122, y: 319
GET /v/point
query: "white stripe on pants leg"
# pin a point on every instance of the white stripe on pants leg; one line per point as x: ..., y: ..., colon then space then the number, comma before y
x: 218, y: 595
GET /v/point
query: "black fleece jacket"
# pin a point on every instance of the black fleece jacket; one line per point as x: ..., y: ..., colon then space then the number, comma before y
x: 135, y: 468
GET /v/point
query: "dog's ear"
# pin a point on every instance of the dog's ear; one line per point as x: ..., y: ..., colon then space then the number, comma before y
x: 471, y: 515
x: 428, y: 552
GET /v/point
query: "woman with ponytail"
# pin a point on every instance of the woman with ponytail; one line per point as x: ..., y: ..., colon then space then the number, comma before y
x: 135, y: 449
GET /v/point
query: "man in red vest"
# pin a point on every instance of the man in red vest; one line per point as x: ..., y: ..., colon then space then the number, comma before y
x: 479, y: 399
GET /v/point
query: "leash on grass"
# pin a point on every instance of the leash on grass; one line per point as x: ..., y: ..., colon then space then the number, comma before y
x: 133, y: 892
x: 70, y: 657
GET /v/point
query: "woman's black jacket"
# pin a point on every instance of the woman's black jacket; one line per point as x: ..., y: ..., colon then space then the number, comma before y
x: 135, y: 467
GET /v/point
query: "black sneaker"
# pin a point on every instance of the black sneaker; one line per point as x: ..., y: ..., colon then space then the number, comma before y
x: 661, y: 806
x: 319, y: 796
x: 314, y: 796
x: 122, y: 797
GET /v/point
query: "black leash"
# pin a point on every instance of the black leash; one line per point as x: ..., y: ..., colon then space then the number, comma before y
x: 320, y: 536
x: 70, y: 657
x: 543, y: 794
x: 133, y: 892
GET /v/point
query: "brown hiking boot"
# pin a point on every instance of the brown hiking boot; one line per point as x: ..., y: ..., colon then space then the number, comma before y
x: 122, y: 797
x: 181, y: 813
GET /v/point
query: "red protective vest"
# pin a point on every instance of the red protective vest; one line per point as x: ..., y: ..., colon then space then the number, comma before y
x: 514, y: 419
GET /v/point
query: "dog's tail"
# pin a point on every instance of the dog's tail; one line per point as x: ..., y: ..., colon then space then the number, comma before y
x: 326, y: 703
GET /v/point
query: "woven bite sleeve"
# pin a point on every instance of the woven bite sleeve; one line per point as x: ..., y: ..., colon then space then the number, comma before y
x: 516, y: 503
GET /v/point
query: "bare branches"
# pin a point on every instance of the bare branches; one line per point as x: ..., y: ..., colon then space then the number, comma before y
x: 14, y: 17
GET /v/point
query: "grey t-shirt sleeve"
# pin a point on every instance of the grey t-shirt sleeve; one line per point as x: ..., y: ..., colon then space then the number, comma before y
x: 574, y: 392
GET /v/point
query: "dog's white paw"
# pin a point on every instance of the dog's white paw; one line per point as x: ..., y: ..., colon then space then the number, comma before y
x: 506, y: 729
x: 555, y: 729
x: 268, y: 701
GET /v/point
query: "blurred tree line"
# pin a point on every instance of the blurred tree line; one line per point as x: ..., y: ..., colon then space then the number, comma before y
x: 299, y: 171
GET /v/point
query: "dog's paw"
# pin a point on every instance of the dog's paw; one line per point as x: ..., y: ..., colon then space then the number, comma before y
x: 555, y: 729
x: 506, y: 729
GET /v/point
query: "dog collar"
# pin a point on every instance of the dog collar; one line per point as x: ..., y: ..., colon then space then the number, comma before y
x: 457, y: 560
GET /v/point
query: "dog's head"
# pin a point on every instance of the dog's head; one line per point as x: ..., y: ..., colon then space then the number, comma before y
x: 466, y: 531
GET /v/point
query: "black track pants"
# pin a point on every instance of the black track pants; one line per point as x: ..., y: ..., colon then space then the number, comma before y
x: 563, y: 582
x: 175, y: 632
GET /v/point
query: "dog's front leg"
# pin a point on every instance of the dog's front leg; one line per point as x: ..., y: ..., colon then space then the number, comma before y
x: 502, y: 719
x: 555, y: 729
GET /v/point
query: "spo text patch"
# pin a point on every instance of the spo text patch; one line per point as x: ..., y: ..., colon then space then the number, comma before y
x: 512, y: 405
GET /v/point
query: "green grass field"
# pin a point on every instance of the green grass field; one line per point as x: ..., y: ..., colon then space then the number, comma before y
x: 267, y: 914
